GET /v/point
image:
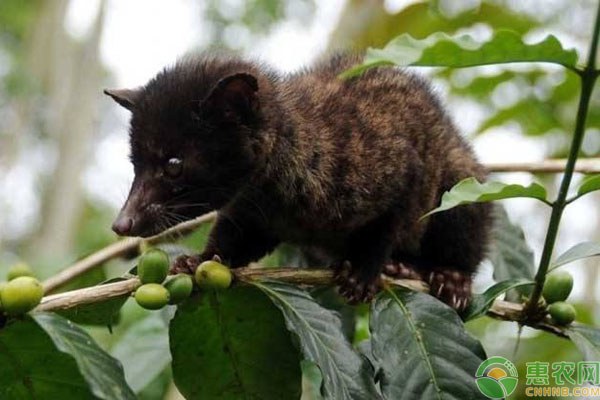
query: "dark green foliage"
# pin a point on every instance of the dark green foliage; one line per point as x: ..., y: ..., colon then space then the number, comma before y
x: 329, y: 298
x: 233, y: 344
x: 30, y: 364
x: 318, y: 330
x: 39, y: 351
x: 104, y: 374
x: 510, y: 254
x: 144, y: 351
x: 422, y: 348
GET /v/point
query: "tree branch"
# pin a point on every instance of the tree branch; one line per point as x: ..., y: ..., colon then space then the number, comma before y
x: 585, y: 166
x: 89, y: 295
x: 119, y: 249
x: 508, y: 311
x: 503, y: 310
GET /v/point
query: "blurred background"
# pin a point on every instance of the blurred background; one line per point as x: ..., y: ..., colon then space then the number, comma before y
x: 64, y: 170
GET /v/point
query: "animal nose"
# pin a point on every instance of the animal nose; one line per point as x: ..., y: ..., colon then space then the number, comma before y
x: 123, y: 225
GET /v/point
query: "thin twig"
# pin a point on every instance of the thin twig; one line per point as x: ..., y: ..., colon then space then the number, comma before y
x: 508, y: 311
x: 584, y: 166
x: 119, y: 249
x: 89, y: 295
x: 503, y: 310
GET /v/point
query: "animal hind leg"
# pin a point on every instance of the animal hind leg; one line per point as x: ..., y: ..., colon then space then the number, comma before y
x: 401, y: 270
x: 367, y: 251
x: 452, y: 247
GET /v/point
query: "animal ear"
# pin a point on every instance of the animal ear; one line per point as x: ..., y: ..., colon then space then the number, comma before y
x: 234, y: 99
x: 127, y: 98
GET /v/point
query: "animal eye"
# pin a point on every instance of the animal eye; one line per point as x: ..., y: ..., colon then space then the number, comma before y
x: 174, y: 167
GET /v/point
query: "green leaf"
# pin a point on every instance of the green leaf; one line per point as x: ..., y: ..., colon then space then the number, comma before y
x: 103, y: 373
x: 233, y: 345
x: 101, y: 313
x: 365, y: 348
x: 589, y: 184
x: 577, y: 252
x: 469, y: 190
x: 423, y: 349
x: 442, y: 50
x: 481, y: 303
x: 346, y: 375
x: 144, y: 351
x: 364, y: 25
x: 32, y: 368
x: 329, y: 298
x: 510, y: 254
x: 587, y: 340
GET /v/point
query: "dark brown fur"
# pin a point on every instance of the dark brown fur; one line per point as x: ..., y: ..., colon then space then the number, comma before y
x: 346, y: 167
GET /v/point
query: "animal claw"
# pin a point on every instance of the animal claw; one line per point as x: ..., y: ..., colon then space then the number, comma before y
x: 439, y: 291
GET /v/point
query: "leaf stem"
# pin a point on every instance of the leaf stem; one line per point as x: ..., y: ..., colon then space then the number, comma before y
x: 588, y: 78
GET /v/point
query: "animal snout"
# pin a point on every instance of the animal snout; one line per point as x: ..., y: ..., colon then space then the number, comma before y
x: 123, y: 225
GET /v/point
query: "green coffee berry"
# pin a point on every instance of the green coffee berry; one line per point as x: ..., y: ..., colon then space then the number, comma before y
x: 21, y: 295
x: 153, y: 266
x: 557, y: 287
x: 562, y: 313
x: 152, y: 296
x: 213, y: 275
x: 19, y: 269
x: 179, y: 287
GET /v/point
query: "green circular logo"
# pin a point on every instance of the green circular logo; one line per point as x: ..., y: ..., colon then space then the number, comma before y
x: 497, y: 377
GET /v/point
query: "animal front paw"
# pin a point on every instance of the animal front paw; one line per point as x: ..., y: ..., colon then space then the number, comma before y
x: 189, y: 264
x: 355, y: 286
x: 451, y: 286
x: 185, y: 265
